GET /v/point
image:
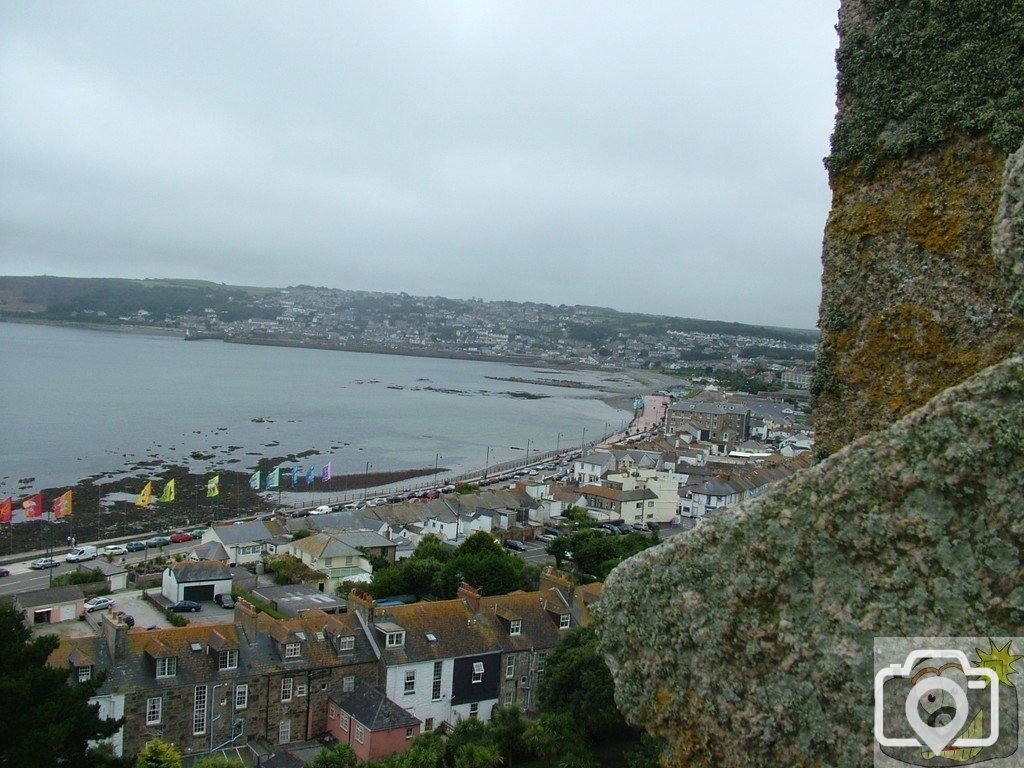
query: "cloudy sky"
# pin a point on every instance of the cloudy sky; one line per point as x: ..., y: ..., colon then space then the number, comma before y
x: 649, y: 156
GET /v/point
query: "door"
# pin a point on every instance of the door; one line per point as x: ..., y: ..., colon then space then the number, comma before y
x: 199, y: 592
x: 67, y: 612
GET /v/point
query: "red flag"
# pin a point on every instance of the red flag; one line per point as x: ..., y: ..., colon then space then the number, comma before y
x: 33, y: 505
x: 5, y: 510
x: 62, y: 505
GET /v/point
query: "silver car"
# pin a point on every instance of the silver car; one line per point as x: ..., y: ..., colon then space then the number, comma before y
x: 97, y: 604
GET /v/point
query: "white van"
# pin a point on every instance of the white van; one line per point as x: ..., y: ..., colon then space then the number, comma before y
x: 79, y: 554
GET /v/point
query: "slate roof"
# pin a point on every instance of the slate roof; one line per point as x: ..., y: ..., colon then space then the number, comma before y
x: 49, y: 596
x: 248, y: 533
x: 364, y: 539
x: 212, y: 550
x: 189, y: 571
x: 323, y: 545
x: 373, y: 709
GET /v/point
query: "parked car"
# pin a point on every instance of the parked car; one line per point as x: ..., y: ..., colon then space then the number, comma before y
x: 158, y: 541
x: 515, y: 544
x: 642, y: 527
x: 546, y: 537
x: 127, y: 618
x: 197, y: 533
x: 185, y: 606
x: 4, y: 572
x: 224, y: 600
x: 81, y: 554
x: 179, y: 537
x: 98, y: 603
x: 43, y: 562
x: 112, y: 550
x: 323, y: 509
x: 135, y: 546
x: 609, y: 529
x: 300, y: 513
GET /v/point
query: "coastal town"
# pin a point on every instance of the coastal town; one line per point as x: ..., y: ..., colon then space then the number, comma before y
x: 270, y: 639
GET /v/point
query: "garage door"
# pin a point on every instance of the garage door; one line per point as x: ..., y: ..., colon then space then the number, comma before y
x: 199, y: 592
x: 67, y: 612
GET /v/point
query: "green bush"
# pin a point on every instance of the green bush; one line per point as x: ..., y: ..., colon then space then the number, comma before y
x: 176, y: 619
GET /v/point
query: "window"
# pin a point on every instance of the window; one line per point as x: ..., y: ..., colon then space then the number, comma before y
x: 509, y: 696
x: 241, y: 696
x: 167, y: 667
x: 199, y: 712
x: 474, y: 709
x: 300, y: 689
x: 428, y: 725
x: 343, y: 720
x: 515, y: 627
x: 284, y: 732
x: 395, y: 639
x: 410, y: 682
x: 409, y: 733
x: 563, y: 621
x: 346, y: 643
x: 292, y: 650
x: 478, y: 671
x: 323, y: 687
x: 84, y: 673
x: 286, y: 689
x: 542, y: 658
x: 154, y: 710
x: 360, y: 733
x: 348, y: 683
x: 435, y: 691
x: 227, y: 660
x: 510, y: 667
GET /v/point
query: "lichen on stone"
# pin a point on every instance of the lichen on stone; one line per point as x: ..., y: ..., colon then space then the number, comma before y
x: 747, y: 642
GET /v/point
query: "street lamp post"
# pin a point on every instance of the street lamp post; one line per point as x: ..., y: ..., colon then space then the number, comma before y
x: 583, y: 441
x: 487, y: 462
x: 528, y: 451
x: 437, y: 458
x: 558, y: 443
x: 366, y: 480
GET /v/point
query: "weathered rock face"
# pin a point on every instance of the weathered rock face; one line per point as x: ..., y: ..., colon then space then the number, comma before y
x: 931, y: 101
x: 747, y: 642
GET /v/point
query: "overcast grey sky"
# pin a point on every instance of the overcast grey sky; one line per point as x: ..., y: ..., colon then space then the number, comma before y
x: 660, y: 157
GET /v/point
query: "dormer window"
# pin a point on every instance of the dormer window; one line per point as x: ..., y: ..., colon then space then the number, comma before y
x: 227, y: 660
x: 84, y: 673
x: 478, y: 671
x: 167, y: 667
x: 346, y: 643
x: 563, y: 621
x: 395, y: 639
x: 292, y: 650
x: 515, y: 627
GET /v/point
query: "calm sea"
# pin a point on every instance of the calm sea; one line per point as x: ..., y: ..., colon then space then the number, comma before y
x: 76, y: 403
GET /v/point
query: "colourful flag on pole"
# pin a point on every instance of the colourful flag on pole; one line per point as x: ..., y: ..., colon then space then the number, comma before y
x: 168, y: 494
x: 296, y: 471
x: 33, y: 506
x: 326, y: 476
x: 254, y: 481
x: 213, y: 487
x: 274, y: 479
x: 7, y: 510
x: 311, y: 475
x: 146, y: 497
x: 62, y: 505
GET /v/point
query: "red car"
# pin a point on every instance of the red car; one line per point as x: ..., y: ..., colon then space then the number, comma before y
x: 180, y: 536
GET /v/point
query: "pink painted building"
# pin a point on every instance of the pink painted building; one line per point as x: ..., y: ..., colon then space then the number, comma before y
x: 369, y: 722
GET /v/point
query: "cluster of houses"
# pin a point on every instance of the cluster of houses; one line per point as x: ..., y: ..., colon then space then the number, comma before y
x: 370, y: 676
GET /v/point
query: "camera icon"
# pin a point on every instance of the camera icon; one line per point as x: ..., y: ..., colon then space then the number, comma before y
x: 943, y: 687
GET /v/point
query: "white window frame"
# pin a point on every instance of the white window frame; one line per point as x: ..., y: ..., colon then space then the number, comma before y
x: 474, y: 709
x: 168, y: 665
x: 287, y: 686
x: 348, y: 683
x: 510, y: 667
x: 395, y: 639
x: 300, y: 690
x: 293, y: 650
x: 515, y: 627
x: 409, y: 687
x: 227, y: 660
x: 199, y: 711
x: 346, y: 643
x: 154, y: 710
x: 284, y: 731
x: 360, y: 733
x: 241, y: 696
x: 428, y: 725
x: 435, y: 690
x: 510, y: 696
x: 343, y: 720
x: 564, y: 621
x: 410, y: 733
x: 85, y: 673
x: 478, y: 672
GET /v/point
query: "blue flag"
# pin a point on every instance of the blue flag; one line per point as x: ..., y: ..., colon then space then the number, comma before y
x: 254, y: 481
x: 296, y: 471
x: 311, y: 475
x: 274, y: 478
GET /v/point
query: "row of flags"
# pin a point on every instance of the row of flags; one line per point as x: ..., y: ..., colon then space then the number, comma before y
x: 274, y: 478
x: 35, y: 508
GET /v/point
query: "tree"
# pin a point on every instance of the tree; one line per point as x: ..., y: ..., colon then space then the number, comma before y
x: 507, y: 728
x: 432, y: 547
x: 551, y: 735
x: 157, y: 754
x: 577, y: 683
x: 44, y: 720
x: 338, y: 756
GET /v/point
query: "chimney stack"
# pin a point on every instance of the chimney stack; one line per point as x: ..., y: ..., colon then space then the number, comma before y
x: 246, y: 618
x: 116, y: 633
x: 362, y: 603
x: 470, y: 596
